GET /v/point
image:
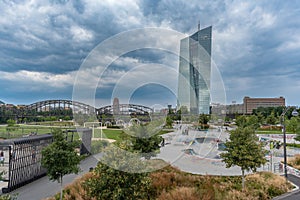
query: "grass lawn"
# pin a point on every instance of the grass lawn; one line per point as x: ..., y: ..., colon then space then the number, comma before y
x: 271, y: 132
x: 114, y: 134
x: 28, y: 129
x: 161, y: 132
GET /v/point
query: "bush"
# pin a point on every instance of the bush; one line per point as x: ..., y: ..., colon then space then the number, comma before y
x: 295, y: 161
x: 8, y: 197
x: 98, y: 146
x: 180, y: 193
x: 170, y: 183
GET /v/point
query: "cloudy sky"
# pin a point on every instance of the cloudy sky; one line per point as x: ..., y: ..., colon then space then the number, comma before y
x: 44, y: 44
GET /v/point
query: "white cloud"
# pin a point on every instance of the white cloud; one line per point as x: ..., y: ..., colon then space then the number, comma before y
x: 291, y: 43
x: 42, y: 35
x: 81, y: 34
x: 38, y: 80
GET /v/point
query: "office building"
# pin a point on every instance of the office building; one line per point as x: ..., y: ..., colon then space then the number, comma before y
x: 253, y: 103
x: 195, y: 72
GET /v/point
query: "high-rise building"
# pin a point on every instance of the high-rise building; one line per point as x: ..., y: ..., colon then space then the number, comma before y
x: 195, y: 72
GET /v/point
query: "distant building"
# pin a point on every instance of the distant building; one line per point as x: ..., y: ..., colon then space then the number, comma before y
x: 253, y: 103
x: 248, y: 105
x: 9, y: 105
x: 116, y: 106
x: 21, y: 106
x: 195, y: 72
x: 235, y: 109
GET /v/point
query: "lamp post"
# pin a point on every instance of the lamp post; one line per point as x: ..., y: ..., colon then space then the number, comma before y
x: 294, y: 113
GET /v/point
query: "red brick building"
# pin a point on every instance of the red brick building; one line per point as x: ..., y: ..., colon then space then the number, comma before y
x: 253, y: 103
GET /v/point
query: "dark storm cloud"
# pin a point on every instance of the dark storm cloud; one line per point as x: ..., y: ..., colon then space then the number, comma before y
x: 43, y: 43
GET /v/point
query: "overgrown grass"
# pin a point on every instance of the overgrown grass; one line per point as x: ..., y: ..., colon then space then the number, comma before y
x: 294, y: 161
x: 170, y: 183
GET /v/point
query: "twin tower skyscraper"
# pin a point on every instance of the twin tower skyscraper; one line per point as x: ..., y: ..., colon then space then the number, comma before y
x: 195, y: 72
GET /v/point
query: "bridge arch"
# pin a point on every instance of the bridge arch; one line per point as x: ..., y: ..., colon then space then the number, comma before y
x: 125, y: 112
x: 48, y: 105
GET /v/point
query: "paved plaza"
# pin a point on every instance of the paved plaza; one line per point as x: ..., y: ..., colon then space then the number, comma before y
x: 198, y: 152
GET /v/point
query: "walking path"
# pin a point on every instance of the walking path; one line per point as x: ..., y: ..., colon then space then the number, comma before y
x: 294, y: 195
x: 44, y: 188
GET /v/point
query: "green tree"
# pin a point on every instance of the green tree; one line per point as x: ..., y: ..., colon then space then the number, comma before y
x: 247, y: 121
x: 203, y: 119
x: 271, y: 119
x: 293, y: 125
x: 169, y: 122
x: 119, y: 180
x: 244, y: 150
x: 145, y: 141
x: 253, y: 121
x: 60, y: 158
x: 184, y: 110
x: 11, y: 125
x: 241, y: 121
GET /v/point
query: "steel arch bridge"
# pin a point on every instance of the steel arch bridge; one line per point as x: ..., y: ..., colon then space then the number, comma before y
x: 124, y: 109
x: 124, y: 112
x: 49, y: 105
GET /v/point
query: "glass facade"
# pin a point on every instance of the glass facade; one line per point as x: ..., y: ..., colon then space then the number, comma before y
x: 195, y: 71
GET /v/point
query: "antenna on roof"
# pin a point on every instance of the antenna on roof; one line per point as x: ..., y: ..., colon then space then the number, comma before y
x: 199, y: 25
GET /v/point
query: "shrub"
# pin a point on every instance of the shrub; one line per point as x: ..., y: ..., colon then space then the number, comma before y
x: 170, y: 183
x: 180, y: 193
x: 98, y: 146
x: 295, y: 161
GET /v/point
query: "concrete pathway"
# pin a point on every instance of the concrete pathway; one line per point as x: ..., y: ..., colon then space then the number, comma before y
x: 43, y: 187
x: 294, y: 195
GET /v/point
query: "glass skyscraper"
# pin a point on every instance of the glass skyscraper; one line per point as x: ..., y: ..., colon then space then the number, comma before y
x: 194, y: 72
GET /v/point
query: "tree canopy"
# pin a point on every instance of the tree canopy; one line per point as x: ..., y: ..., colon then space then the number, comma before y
x: 60, y: 157
x: 247, y: 121
x: 293, y: 125
x: 244, y: 150
x: 145, y: 140
x: 111, y: 182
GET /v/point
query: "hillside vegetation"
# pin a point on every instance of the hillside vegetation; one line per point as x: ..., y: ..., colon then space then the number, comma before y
x: 170, y: 183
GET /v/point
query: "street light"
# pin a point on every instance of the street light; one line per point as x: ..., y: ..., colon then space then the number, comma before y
x: 294, y: 113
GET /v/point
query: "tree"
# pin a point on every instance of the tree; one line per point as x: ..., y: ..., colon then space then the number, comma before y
x: 60, y: 158
x: 11, y: 125
x: 293, y: 125
x: 146, y: 142
x: 241, y: 121
x: 184, y: 110
x: 120, y: 179
x: 247, y: 121
x: 271, y: 119
x: 203, y: 120
x: 169, y: 121
x: 244, y: 150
